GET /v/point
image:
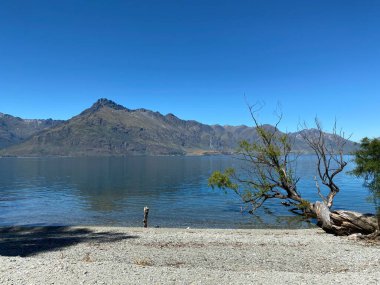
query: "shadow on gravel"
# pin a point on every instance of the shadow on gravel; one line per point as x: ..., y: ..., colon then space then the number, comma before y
x: 29, y: 241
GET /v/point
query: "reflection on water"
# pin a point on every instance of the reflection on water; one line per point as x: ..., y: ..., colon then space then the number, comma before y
x: 114, y: 190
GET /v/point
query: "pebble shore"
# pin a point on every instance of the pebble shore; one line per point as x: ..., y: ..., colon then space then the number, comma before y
x: 107, y: 255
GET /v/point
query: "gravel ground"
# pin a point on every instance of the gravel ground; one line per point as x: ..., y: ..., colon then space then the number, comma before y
x: 98, y: 255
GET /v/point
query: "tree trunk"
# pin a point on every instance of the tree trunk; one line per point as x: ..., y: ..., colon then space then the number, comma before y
x: 323, y: 216
x: 344, y: 222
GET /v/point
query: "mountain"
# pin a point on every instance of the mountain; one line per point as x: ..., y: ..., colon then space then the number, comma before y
x: 107, y: 128
x: 330, y: 140
x: 14, y: 130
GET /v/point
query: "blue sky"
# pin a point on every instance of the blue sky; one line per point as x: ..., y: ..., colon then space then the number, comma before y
x: 195, y: 59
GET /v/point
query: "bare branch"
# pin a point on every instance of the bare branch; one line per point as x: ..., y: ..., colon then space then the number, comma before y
x: 329, y: 150
x: 319, y: 191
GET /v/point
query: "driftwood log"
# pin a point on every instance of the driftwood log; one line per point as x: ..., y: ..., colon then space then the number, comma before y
x: 345, y: 222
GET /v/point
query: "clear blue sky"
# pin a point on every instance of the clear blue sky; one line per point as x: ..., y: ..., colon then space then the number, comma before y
x: 195, y: 59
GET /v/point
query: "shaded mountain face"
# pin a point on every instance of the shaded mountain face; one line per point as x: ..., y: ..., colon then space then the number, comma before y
x: 14, y: 130
x: 107, y: 128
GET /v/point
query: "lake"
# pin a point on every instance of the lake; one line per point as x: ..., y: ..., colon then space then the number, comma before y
x: 113, y: 191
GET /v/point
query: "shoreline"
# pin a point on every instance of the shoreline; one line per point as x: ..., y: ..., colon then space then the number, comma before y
x: 130, y: 255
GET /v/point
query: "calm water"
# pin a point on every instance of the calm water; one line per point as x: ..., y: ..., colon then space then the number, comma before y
x: 113, y: 191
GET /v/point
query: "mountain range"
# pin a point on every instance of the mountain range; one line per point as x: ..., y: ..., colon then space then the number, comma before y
x: 14, y: 130
x: 107, y: 128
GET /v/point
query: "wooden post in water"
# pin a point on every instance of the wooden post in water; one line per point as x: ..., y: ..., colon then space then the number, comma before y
x: 145, y: 221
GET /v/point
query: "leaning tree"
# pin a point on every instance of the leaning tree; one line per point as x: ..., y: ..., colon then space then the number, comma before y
x: 270, y: 174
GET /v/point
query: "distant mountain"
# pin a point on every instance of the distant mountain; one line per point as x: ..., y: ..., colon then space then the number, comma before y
x: 330, y: 139
x: 14, y: 130
x: 107, y: 128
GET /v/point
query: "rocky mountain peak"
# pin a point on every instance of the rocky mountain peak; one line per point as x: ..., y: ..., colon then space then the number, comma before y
x: 103, y: 102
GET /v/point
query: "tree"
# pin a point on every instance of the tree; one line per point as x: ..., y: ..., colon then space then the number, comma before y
x: 271, y: 175
x: 367, y: 160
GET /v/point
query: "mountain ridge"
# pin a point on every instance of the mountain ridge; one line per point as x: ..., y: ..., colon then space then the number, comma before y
x: 107, y: 128
x: 14, y: 130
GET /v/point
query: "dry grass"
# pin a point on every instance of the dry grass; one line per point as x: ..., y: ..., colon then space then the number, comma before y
x: 175, y: 264
x: 87, y: 258
x: 143, y: 262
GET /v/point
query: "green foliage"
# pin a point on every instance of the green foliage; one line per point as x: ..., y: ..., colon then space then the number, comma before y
x: 367, y: 160
x: 223, y: 180
x: 303, y: 205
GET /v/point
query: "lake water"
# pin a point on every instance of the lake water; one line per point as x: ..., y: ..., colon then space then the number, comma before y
x: 113, y: 191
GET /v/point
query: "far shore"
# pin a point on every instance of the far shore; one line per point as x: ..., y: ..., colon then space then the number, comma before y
x: 122, y: 255
x: 102, y: 155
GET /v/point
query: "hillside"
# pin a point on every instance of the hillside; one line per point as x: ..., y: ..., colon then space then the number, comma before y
x: 14, y: 130
x: 107, y: 128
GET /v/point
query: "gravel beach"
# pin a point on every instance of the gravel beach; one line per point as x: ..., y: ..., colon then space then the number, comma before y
x: 105, y: 255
